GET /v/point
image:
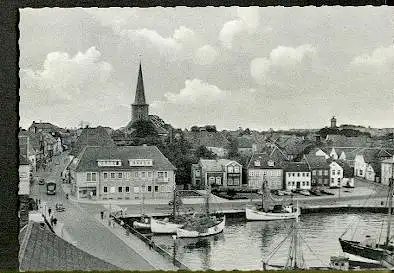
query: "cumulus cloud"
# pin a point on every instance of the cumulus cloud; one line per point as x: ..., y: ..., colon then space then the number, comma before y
x: 121, y: 20
x: 282, y: 57
x: 380, y: 56
x: 206, y: 55
x: 248, y: 21
x: 195, y: 92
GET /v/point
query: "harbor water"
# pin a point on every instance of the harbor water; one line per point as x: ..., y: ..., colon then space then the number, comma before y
x: 243, y: 244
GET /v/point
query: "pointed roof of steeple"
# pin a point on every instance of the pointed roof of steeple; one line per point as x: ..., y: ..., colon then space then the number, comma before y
x: 140, y: 90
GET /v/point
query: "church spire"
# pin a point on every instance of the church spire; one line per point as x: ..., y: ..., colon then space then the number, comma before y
x: 140, y: 90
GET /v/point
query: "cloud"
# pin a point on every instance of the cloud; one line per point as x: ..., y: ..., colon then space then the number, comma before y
x: 248, y: 21
x: 380, y: 56
x: 282, y: 57
x: 195, y: 92
x: 206, y: 55
x: 122, y: 19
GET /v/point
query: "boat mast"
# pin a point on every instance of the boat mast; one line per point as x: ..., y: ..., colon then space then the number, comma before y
x: 390, y: 206
x: 174, y: 202
x: 207, y: 199
x: 262, y: 193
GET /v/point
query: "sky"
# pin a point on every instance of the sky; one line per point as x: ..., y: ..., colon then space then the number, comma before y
x: 253, y: 67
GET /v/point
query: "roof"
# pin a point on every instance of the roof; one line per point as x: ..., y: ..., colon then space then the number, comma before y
x: 140, y: 90
x: 34, y: 139
x: 215, y: 165
x: 41, y: 249
x: 344, y: 141
x: 245, y: 142
x: 389, y: 161
x: 46, y: 126
x: 89, y: 156
x: 207, y: 139
x: 316, y: 162
x: 296, y: 167
x: 347, y: 170
x: 263, y: 159
x: 92, y: 137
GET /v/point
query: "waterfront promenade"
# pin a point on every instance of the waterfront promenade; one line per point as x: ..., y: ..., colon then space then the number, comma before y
x: 85, y: 231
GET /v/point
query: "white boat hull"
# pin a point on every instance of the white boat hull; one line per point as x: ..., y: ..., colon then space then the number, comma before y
x: 162, y: 227
x: 139, y: 225
x: 183, y: 233
x: 255, y: 215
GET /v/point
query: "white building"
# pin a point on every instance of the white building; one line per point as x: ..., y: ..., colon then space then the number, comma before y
x: 24, y: 176
x: 387, y: 170
x: 336, y: 174
x: 297, y: 176
x: 333, y: 154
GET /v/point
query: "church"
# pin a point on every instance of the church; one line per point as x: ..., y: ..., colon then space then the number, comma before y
x: 140, y: 112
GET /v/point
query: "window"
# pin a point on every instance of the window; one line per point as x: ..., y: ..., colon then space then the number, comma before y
x: 112, y: 190
x: 320, y: 172
x: 333, y: 172
x: 332, y: 180
x: 293, y: 183
x: 218, y: 180
x: 112, y: 175
x: 361, y: 172
x: 105, y: 175
x: 338, y: 172
x: 211, y: 180
x: 120, y: 175
x: 88, y: 177
x: 136, y: 189
x: 143, y: 174
x: 303, y: 174
x: 307, y: 174
x: 230, y: 169
x: 120, y: 189
x: 307, y: 183
x: 314, y: 172
x: 105, y: 189
x: 127, y: 189
x: 156, y: 188
x: 236, y: 169
x: 288, y: 174
x: 160, y: 174
x: 143, y: 189
x: 149, y: 174
x: 293, y: 174
x: 93, y: 176
x: 303, y: 183
x: 149, y: 188
x: 236, y: 181
x: 165, y: 174
x: 197, y: 173
x: 325, y: 172
x: 298, y: 174
x: 339, y: 180
x: 289, y: 183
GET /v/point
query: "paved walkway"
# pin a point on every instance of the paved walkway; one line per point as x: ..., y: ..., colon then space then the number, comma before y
x: 151, y: 256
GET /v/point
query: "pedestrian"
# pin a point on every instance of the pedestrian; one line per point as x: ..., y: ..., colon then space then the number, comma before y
x: 55, y: 221
x: 102, y: 215
x: 49, y: 211
x: 51, y: 220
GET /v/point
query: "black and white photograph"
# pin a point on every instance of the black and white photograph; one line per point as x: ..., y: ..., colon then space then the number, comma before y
x: 206, y: 138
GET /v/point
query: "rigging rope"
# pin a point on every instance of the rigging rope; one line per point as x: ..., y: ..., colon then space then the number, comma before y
x: 312, y: 251
x: 272, y: 253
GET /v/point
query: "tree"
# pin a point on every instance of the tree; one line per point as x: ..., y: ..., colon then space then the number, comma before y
x: 233, y: 148
x: 144, y: 128
x: 203, y: 152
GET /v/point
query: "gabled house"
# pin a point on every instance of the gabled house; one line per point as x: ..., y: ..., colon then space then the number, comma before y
x: 246, y: 145
x: 336, y: 174
x: 297, y: 176
x: 45, y: 127
x: 387, y: 170
x: 264, y: 166
x: 367, y: 164
x: 348, y: 173
x: 318, y: 152
x: 92, y: 137
x: 333, y: 154
x: 220, y: 172
x: 320, y: 169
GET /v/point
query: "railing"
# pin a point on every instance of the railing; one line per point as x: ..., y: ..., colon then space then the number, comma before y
x: 151, y: 244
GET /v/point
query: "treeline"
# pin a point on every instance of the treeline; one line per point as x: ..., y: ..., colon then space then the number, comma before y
x: 345, y: 132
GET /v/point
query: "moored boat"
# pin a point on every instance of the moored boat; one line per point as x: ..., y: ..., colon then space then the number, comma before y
x: 196, y: 228
x: 278, y: 212
x: 164, y: 226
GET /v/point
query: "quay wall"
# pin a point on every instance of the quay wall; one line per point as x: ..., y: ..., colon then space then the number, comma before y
x: 151, y: 244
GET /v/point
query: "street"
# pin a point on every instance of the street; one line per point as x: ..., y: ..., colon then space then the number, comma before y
x: 82, y: 228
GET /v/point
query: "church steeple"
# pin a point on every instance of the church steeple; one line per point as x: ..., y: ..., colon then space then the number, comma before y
x: 139, y: 109
x: 140, y: 90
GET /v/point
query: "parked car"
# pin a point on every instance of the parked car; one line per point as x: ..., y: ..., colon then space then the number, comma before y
x: 59, y: 207
x: 287, y: 192
x: 325, y: 191
x: 315, y: 192
x: 41, y: 181
x: 305, y: 192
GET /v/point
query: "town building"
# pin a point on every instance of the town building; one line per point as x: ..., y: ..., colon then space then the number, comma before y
x: 387, y: 168
x: 320, y: 169
x: 29, y: 148
x: 297, y: 176
x: 46, y: 127
x: 122, y: 172
x: 246, y: 145
x: 336, y: 174
x: 220, y: 173
x: 25, y: 177
x: 348, y: 173
x: 266, y: 166
x: 215, y: 142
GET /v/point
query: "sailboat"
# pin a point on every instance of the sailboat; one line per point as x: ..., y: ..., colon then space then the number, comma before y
x: 370, y: 248
x: 295, y: 256
x: 144, y: 221
x: 169, y: 225
x: 202, y: 225
x: 278, y: 212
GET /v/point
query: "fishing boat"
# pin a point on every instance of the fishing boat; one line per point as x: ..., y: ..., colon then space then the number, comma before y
x: 204, y: 224
x: 144, y: 221
x: 278, y: 212
x: 370, y: 248
x: 171, y: 224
